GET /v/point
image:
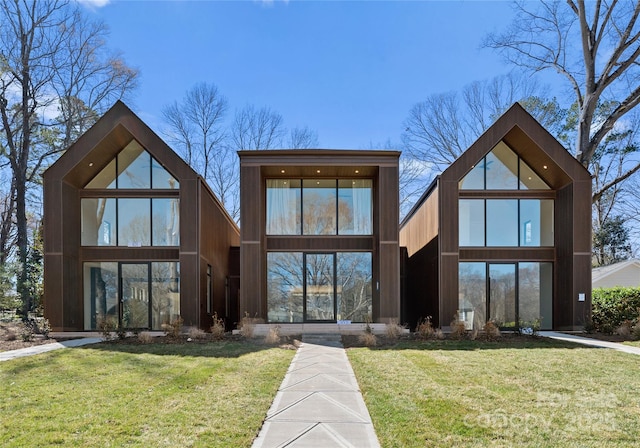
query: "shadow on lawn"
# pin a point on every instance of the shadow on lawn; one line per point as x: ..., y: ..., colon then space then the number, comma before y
x: 506, y: 342
x: 209, y: 349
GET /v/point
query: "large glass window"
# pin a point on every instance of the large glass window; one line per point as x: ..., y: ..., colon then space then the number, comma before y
x: 535, y: 288
x: 165, y: 222
x: 505, y: 222
x: 133, y: 168
x: 354, y: 286
x: 127, y: 222
x: 285, y: 287
x: 125, y: 296
x: 502, y: 169
x: 536, y: 221
x: 518, y: 294
x: 165, y: 293
x: 283, y: 206
x: 303, y: 287
x: 472, y: 296
x: 502, y: 297
x: 471, y: 222
x: 320, y: 287
x: 355, y: 216
x: 319, y: 207
x: 98, y: 227
x: 100, y: 294
x: 502, y: 222
x: 134, y: 222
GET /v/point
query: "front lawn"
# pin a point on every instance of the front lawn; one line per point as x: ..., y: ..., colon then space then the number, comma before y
x: 155, y: 395
x: 536, y: 393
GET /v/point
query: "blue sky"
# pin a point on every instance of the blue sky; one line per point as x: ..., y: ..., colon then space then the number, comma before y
x: 348, y: 70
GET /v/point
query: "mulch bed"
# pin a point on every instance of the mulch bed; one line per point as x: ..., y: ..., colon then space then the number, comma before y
x: 11, y: 337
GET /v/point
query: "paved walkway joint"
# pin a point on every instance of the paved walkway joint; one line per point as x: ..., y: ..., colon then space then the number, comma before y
x: 319, y: 403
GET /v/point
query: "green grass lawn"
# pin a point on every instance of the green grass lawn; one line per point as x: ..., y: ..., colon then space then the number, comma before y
x: 526, y: 394
x: 114, y: 395
x: 632, y: 343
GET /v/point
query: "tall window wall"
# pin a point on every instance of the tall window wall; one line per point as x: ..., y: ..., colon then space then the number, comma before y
x: 131, y: 221
x: 304, y: 287
x: 319, y: 207
x: 142, y: 295
x: 504, y: 222
x: 510, y: 294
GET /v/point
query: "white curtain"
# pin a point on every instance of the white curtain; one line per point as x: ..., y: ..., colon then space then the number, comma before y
x: 361, y: 194
x: 282, y: 207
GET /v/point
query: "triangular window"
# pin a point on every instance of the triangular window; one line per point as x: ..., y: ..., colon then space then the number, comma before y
x: 502, y: 169
x: 133, y: 168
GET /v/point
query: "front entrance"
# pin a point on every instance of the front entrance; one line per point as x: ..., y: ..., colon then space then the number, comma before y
x: 320, y: 288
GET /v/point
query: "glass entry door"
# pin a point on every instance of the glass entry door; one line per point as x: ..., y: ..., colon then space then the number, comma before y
x: 502, y: 294
x: 320, y: 287
x: 135, y: 306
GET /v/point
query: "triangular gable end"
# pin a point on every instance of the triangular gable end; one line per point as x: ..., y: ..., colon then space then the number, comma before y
x: 527, y: 138
x: 116, y: 130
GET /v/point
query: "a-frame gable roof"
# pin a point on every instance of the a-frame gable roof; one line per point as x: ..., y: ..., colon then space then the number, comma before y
x: 531, y: 141
x: 102, y: 142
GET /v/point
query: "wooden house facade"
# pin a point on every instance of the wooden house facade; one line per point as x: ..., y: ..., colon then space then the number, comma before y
x: 503, y: 234
x: 133, y: 237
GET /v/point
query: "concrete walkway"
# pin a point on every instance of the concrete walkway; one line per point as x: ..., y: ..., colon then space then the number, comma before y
x: 590, y: 342
x: 319, y: 403
x: 37, y: 349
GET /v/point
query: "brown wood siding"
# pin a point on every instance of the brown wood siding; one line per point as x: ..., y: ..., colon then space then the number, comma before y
x: 563, y: 309
x: 252, y: 293
x: 508, y: 254
x: 129, y: 253
x: 307, y: 243
x: 389, y: 277
x: 252, y: 281
x: 189, y: 289
x: 53, y: 291
x: 448, y: 288
x: 448, y: 205
x: 218, y: 234
x: 388, y: 204
x: 422, y: 228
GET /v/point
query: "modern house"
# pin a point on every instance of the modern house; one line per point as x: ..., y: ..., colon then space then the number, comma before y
x: 503, y: 234
x: 319, y: 236
x: 132, y: 235
x: 624, y: 274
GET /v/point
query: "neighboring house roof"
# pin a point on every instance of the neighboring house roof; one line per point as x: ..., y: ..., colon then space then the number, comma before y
x: 625, y: 274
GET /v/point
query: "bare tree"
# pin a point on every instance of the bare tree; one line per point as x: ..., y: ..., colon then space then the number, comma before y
x: 88, y: 77
x: 224, y: 179
x: 443, y: 126
x: 303, y: 138
x: 196, y: 129
x: 257, y: 128
x: 41, y: 49
x: 195, y: 126
x: 595, y: 46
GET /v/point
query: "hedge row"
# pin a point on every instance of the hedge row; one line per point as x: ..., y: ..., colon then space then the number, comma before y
x: 613, y: 306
